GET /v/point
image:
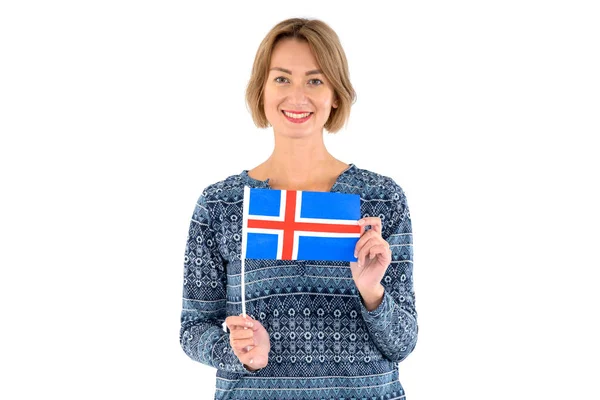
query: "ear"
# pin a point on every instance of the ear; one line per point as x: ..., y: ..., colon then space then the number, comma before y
x: 335, y: 104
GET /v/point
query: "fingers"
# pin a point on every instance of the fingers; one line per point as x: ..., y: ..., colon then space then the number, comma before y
x: 382, y: 249
x: 242, y: 330
x: 239, y: 334
x: 241, y: 338
x: 375, y: 223
x: 248, y: 353
x: 256, y: 325
x: 371, y: 250
x: 235, y: 322
x: 242, y: 345
x: 365, y: 237
x: 251, y: 350
x: 370, y: 245
x: 254, y: 358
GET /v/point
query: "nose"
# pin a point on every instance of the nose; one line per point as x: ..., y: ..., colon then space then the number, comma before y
x: 297, y: 94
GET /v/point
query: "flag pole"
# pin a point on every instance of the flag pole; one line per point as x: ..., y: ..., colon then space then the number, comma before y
x: 246, y: 207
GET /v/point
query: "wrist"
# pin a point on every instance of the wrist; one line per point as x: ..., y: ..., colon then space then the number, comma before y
x: 372, y: 297
x: 250, y: 368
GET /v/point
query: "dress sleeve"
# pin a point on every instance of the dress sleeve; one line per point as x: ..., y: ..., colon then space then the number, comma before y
x: 202, y: 335
x: 393, y: 324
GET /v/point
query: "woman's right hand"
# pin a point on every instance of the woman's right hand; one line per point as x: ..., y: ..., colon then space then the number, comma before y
x: 249, y: 340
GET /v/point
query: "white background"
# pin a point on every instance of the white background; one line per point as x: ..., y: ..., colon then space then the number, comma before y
x: 115, y: 115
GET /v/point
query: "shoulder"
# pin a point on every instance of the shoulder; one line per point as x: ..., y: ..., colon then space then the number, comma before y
x: 230, y: 189
x: 216, y: 198
x: 374, y: 186
x: 382, y: 196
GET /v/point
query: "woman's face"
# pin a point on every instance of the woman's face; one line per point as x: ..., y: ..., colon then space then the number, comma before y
x: 297, y: 97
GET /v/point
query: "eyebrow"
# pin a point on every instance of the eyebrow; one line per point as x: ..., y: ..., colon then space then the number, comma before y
x: 287, y: 71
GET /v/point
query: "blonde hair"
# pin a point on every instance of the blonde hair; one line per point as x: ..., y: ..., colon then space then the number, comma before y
x: 326, y: 46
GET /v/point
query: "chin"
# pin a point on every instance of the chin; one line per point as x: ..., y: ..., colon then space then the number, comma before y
x: 293, y: 133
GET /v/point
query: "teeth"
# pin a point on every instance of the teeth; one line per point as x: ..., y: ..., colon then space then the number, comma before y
x: 296, y: 115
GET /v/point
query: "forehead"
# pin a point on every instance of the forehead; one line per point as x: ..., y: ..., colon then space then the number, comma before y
x: 293, y: 54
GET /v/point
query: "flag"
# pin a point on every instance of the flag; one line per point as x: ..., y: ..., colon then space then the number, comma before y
x: 300, y: 225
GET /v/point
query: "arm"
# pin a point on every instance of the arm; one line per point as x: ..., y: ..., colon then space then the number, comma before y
x: 204, y: 297
x: 393, y: 323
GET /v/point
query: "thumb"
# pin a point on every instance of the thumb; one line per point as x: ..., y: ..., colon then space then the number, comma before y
x: 256, y: 325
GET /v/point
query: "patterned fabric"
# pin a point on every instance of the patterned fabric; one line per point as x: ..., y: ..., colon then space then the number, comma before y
x: 324, y: 343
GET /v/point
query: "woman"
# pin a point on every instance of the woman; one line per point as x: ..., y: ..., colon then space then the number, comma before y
x: 345, y: 326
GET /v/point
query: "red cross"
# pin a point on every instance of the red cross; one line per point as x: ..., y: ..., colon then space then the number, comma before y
x: 289, y: 225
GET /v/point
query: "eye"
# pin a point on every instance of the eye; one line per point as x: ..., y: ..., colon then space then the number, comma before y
x: 316, y: 82
x: 281, y: 79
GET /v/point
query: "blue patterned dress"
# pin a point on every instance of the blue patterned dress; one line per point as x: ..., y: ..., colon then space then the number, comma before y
x: 324, y: 343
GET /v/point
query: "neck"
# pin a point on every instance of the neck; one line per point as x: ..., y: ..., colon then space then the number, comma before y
x: 298, y: 161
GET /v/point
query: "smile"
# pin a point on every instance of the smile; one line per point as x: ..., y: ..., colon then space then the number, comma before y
x: 297, y: 117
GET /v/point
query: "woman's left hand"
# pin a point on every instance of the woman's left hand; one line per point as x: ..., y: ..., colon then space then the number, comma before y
x: 373, y: 253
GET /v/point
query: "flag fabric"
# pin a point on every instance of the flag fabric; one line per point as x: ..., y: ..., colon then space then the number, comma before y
x: 300, y: 225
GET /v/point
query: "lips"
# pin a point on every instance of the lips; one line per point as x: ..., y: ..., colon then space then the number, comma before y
x: 297, y: 117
